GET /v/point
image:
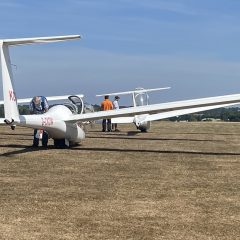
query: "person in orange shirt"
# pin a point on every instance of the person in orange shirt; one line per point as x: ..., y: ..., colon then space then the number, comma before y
x: 106, y: 105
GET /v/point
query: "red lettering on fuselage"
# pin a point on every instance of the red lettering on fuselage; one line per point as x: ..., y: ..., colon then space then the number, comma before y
x: 12, y: 96
x: 47, y: 121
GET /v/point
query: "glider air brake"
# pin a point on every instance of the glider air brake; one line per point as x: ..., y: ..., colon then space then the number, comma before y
x: 63, y: 125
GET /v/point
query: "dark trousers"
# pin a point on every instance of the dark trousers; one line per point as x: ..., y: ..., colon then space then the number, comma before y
x: 36, y: 140
x: 114, y: 126
x: 106, y: 125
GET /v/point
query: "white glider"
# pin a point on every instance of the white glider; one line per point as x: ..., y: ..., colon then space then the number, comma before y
x: 140, y: 97
x: 62, y: 124
x: 77, y: 108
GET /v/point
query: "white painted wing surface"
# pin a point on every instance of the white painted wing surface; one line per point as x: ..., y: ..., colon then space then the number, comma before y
x: 134, y: 91
x: 195, y: 104
x: 159, y: 116
x: 164, y: 115
x: 2, y: 121
x: 122, y: 120
x: 23, y: 41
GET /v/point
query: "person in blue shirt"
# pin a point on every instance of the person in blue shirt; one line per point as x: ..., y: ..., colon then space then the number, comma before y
x: 39, y: 105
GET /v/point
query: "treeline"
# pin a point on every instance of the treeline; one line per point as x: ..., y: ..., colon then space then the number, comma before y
x: 23, y: 110
x: 222, y: 114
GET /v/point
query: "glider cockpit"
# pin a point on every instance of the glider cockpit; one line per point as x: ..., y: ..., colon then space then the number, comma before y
x: 78, y: 106
x: 140, y: 98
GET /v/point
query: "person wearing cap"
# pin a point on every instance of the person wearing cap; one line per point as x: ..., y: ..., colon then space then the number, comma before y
x: 115, y: 106
x: 106, y: 105
x: 39, y: 105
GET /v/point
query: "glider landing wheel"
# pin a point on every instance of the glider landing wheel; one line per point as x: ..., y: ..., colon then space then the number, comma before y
x: 59, y: 143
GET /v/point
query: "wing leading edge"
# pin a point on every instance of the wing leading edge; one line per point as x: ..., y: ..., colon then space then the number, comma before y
x: 166, y: 109
x: 23, y: 41
x: 134, y: 91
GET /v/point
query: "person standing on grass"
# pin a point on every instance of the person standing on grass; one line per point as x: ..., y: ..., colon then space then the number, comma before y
x: 106, y: 105
x: 115, y: 106
x: 39, y: 105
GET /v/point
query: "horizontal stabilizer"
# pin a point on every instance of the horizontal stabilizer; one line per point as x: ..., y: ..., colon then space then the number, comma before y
x: 142, y: 90
x: 23, y: 41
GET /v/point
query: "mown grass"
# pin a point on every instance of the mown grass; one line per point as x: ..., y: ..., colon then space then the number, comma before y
x: 179, y: 181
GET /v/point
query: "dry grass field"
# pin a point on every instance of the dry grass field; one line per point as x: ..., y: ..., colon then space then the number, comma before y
x: 178, y: 181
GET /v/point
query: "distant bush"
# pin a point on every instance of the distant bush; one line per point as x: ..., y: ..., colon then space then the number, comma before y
x: 23, y: 110
x: 223, y: 114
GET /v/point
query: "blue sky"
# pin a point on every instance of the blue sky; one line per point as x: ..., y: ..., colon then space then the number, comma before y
x: 190, y: 45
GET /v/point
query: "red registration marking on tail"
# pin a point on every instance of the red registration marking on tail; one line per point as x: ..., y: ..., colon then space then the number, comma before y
x: 12, y: 96
x: 47, y: 121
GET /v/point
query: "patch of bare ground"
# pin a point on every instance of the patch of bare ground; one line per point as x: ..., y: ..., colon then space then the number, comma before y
x: 178, y: 181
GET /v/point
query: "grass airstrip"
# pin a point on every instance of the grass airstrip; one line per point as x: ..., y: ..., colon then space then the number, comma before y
x: 178, y: 181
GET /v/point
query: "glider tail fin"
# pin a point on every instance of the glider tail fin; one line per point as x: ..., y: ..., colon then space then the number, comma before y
x: 9, y: 95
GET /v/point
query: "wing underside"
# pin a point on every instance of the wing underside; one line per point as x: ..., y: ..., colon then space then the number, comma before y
x: 123, y: 120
